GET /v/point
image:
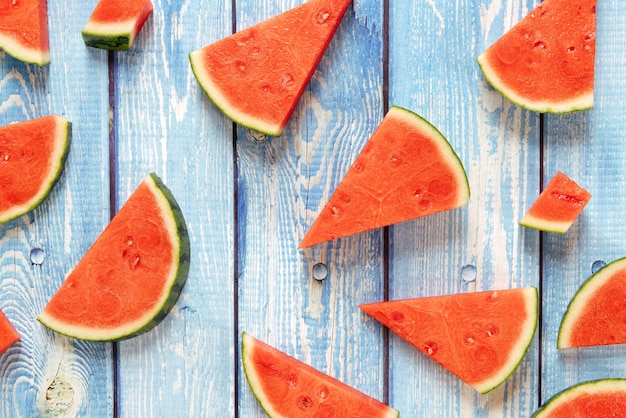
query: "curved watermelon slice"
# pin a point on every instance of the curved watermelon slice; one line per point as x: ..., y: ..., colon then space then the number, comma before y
x: 286, y: 387
x: 596, y: 314
x: 24, y: 30
x: 32, y: 157
x: 8, y: 334
x: 256, y: 76
x: 596, y: 398
x: 131, y: 276
x: 545, y: 63
x: 480, y: 337
x: 114, y: 24
x: 406, y: 170
x: 558, y: 205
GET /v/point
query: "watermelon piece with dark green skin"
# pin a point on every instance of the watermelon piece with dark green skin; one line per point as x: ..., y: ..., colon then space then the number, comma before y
x: 8, y: 334
x: 287, y: 387
x: 132, y: 275
x: 114, y: 24
x: 545, y: 63
x: 257, y: 76
x: 406, y: 170
x: 595, y: 398
x: 596, y: 315
x: 24, y: 30
x: 558, y: 205
x: 32, y: 158
x: 480, y: 337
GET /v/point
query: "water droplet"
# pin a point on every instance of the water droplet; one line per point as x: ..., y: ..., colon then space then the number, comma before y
x: 468, y: 273
x: 291, y: 382
x: 322, y: 17
x: 37, y: 256
x: 597, y: 265
x: 320, y: 271
x: 417, y: 192
x: 59, y: 395
x: 395, y: 161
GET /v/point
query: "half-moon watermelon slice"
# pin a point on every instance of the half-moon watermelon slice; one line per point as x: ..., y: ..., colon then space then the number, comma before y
x: 8, y: 334
x: 32, y: 157
x: 114, y: 24
x: 480, y: 337
x: 132, y: 275
x: 596, y: 315
x: 406, y: 170
x: 24, y: 30
x: 257, y: 76
x: 287, y: 387
x: 545, y: 63
x: 558, y: 205
x: 595, y: 398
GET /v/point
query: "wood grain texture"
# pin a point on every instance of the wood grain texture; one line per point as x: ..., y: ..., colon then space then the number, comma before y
x: 283, y: 183
x: 46, y: 374
x: 588, y: 147
x: 164, y: 124
x: 433, y: 71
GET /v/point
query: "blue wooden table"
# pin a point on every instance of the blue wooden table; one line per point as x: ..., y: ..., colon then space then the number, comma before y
x: 249, y: 200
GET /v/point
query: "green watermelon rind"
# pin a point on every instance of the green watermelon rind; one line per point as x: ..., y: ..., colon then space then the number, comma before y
x: 540, y: 224
x: 582, y: 102
x: 110, y: 36
x: 589, y: 387
x: 62, y: 139
x: 584, y: 293
x: 229, y: 109
x: 24, y: 54
x: 177, y: 227
x: 518, y: 352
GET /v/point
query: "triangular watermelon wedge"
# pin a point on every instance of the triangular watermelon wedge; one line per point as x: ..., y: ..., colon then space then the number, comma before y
x: 132, y: 275
x: 480, y: 337
x: 601, y: 398
x: 545, y: 63
x: 114, y: 24
x: 257, y: 76
x: 8, y: 334
x: 406, y: 170
x: 287, y: 387
x: 24, y: 30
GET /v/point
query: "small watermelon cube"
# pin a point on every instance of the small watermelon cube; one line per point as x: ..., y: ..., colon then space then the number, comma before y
x: 558, y: 205
x: 8, y: 334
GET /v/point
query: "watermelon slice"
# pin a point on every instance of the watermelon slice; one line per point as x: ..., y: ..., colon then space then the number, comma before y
x: 32, y: 157
x: 114, y: 24
x: 406, y: 170
x: 286, y: 387
x: 596, y: 314
x: 595, y: 398
x: 545, y: 63
x: 256, y: 76
x: 24, y: 30
x: 558, y: 205
x: 480, y: 337
x: 131, y: 276
x: 8, y: 334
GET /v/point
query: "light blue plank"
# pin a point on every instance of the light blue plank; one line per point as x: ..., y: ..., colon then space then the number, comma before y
x: 47, y: 374
x: 433, y: 71
x: 164, y: 124
x: 589, y: 147
x: 283, y: 184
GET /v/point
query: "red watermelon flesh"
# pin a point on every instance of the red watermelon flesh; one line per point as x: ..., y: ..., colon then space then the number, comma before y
x: 24, y: 30
x: 257, y: 76
x: 8, y: 334
x: 480, y: 337
x: 545, y: 63
x: 558, y: 205
x: 596, y: 398
x: 406, y: 170
x: 287, y: 387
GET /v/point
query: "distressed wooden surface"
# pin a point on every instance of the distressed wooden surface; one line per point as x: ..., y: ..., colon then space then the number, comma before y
x: 248, y: 202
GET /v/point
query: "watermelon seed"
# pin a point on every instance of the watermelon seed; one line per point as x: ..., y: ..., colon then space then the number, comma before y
x: 320, y: 271
x: 323, y: 392
x: 540, y: 44
x: 468, y: 273
x: 304, y: 402
x: 469, y: 340
x: 322, y: 17
x: 492, y: 330
x: 37, y: 256
x: 597, y: 265
x: 430, y: 348
x: 256, y: 136
x: 571, y: 49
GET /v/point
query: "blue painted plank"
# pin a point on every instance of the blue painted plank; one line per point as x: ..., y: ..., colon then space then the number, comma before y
x: 283, y: 183
x: 165, y: 124
x: 46, y: 373
x: 433, y: 71
x: 588, y: 147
